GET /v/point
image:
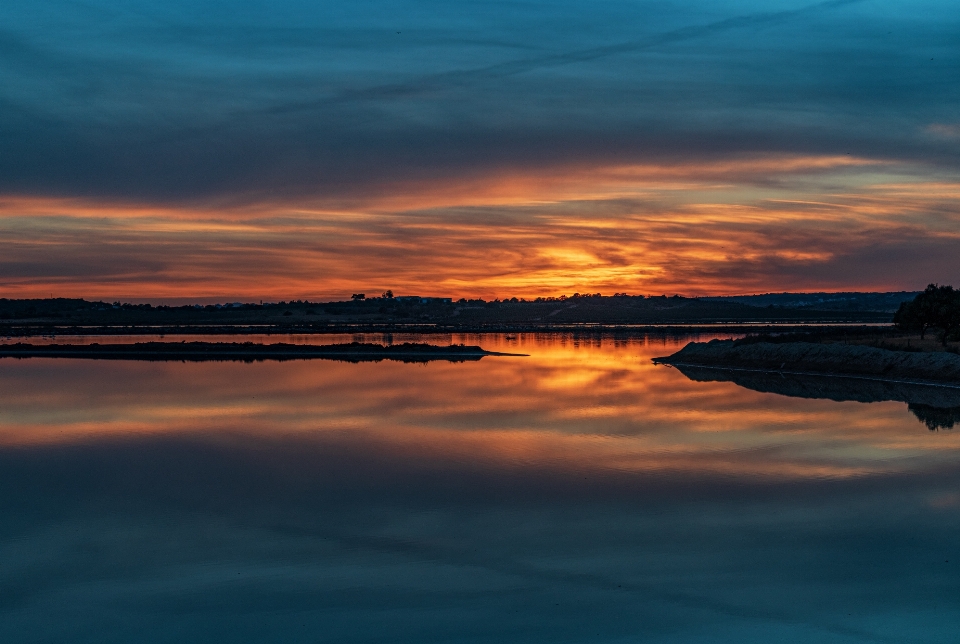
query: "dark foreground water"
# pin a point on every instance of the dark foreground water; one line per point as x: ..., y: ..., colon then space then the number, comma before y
x: 581, y: 494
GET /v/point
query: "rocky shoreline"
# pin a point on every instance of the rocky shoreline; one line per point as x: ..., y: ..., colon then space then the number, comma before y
x: 825, y: 359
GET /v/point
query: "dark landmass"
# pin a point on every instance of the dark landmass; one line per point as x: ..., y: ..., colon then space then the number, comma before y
x: 881, y: 302
x: 20, y: 318
x: 248, y: 351
x: 824, y: 354
x: 583, y: 330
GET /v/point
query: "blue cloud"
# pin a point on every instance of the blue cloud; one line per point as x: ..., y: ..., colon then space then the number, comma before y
x: 175, y: 100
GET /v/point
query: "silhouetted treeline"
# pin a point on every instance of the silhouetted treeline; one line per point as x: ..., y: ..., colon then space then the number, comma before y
x: 438, y: 312
x: 937, y: 307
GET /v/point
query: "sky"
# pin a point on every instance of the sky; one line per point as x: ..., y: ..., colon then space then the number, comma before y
x: 167, y: 150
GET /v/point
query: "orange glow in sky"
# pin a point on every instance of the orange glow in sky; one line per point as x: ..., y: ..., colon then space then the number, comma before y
x: 747, y: 226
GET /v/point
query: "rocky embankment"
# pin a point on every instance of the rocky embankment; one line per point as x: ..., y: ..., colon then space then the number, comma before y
x: 821, y: 359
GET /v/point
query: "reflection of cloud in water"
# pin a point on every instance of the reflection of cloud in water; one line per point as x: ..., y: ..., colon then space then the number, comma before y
x: 583, y: 403
x: 580, y: 494
x: 938, y: 407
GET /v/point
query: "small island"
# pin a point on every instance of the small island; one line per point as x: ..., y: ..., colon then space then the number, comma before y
x: 249, y: 351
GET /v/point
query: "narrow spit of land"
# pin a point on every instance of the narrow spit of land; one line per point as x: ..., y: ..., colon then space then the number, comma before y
x: 880, y: 355
x: 249, y: 351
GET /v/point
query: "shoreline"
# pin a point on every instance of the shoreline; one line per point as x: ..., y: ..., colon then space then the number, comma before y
x: 248, y: 351
x: 939, y: 368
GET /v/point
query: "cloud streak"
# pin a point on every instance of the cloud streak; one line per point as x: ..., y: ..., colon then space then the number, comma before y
x: 694, y: 230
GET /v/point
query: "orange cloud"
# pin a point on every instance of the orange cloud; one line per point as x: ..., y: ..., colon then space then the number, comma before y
x: 753, y: 225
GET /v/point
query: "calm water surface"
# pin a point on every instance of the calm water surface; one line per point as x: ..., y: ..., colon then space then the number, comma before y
x: 580, y: 494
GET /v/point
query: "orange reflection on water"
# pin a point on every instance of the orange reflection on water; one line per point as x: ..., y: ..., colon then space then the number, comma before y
x: 573, y: 405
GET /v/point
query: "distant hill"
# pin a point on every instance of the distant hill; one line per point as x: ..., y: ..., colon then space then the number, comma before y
x: 852, y: 301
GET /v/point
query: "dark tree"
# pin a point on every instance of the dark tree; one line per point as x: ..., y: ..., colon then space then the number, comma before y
x: 909, y: 318
x: 358, y: 296
x: 936, y: 307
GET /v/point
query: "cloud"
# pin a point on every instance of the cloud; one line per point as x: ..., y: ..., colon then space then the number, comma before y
x: 185, y: 102
x: 945, y: 130
x: 696, y: 230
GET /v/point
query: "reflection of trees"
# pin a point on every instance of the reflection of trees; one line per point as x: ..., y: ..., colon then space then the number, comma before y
x: 936, y: 417
x: 936, y: 407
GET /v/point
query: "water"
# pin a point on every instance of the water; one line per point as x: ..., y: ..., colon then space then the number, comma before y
x: 581, y: 494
